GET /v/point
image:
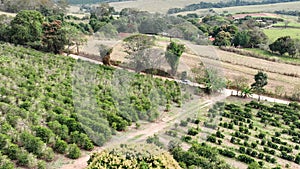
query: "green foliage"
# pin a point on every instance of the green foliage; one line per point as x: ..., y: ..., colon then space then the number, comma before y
x: 133, y: 156
x: 73, y: 151
x: 60, y: 146
x: 284, y: 45
x: 42, y: 112
x: 261, y: 80
x: 54, y: 37
x: 26, y: 28
x: 173, y: 54
x: 155, y: 140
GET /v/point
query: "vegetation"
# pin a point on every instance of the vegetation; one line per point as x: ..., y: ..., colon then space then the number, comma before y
x: 41, y: 101
x: 204, y: 5
x: 173, y: 54
x: 133, y: 156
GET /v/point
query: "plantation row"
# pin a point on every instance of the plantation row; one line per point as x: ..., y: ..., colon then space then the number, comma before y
x: 54, y: 104
x: 242, y: 133
x: 254, y: 142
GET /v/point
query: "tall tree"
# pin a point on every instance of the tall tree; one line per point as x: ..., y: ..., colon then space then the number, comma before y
x: 136, y: 46
x: 241, y: 39
x: 284, y: 45
x: 54, y: 38
x: 173, y: 54
x: 73, y: 37
x: 261, y: 80
x: 26, y: 28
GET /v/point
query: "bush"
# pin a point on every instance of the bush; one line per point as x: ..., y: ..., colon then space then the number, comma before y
x: 41, y: 164
x: 60, y: 146
x: 183, y: 123
x: 211, y: 139
x: 73, y: 151
x: 192, y: 132
x: 246, y: 159
x: 227, y: 153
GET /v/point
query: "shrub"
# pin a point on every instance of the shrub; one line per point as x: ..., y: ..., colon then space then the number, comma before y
x: 60, y: 146
x: 246, y: 159
x: 183, y: 123
x: 73, y: 151
x: 192, y: 132
x: 227, y: 153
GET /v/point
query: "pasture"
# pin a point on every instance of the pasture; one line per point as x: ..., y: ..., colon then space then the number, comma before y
x: 275, y: 33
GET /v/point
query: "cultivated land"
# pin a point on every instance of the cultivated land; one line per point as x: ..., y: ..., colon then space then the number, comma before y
x: 232, y: 65
x: 156, y: 5
x: 251, y: 126
x: 251, y: 8
x: 275, y: 33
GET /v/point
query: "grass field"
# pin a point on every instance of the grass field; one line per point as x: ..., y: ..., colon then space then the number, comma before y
x: 291, y: 24
x: 270, y: 55
x: 252, y: 8
x: 273, y: 34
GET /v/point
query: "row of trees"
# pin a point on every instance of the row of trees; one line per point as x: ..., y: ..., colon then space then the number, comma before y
x: 47, y: 7
x: 29, y: 28
x: 204, y: 5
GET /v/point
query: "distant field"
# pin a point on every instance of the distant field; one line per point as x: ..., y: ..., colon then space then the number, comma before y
x: 161, y: 6
x: 290, y: 24
x: 252, y: 8
x: 275, y: 33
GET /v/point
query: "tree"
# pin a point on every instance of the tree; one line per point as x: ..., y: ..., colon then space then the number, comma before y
x: 54, y: 38
x: 284, y: 45
x: 73, y: 37
x: 214, y: 82
x: 138, y: 42
x: 26, y: 28
x: 223, y: 39
x: 242, y: 39
x: 136, y: 46
x: 261, y: 80
x: 173, y: 54
x: 240, y: 82
x: 147, y: 59
x: 103, y: 12
x: 105, y: 53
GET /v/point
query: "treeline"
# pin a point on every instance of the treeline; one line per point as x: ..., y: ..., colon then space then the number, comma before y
x: 284, y: 12
x: 44, y: 6
x: 205, y: 5
x: 92, y: 1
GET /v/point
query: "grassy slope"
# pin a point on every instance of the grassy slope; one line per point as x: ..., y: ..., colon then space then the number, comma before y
x: 273, y: 34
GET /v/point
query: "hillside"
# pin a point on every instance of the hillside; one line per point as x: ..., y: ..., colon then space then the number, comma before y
x: 53, y: 105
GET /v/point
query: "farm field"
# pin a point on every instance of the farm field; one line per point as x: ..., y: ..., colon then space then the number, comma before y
x: 44, y: 100
x: 244, y: 131
x: 284, y: 59
x: 234, y: 65
x: 290, y: 24
x: 251, y: 8
x: 230, y: 64
x: 275, y: 33
x: 156, y: 5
